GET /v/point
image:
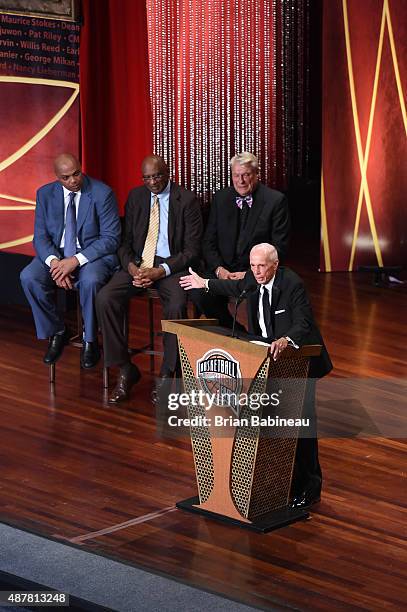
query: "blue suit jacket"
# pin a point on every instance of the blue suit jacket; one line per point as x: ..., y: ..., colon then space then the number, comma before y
x: 98, y: 223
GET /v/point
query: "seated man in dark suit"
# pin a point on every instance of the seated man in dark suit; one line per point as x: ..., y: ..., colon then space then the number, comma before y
x: 279, y: 312
x: 241, y: 216
x: 162, y: 237
x: 76, y: 236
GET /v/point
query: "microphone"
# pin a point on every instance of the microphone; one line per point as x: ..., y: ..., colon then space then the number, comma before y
x: 243, y: 295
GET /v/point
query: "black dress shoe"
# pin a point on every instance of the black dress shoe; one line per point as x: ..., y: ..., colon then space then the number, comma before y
x: 90, y: 354
x: 306, y: 498
x: 56, y: 346
x: 162, y: 385
x: 127, y: 378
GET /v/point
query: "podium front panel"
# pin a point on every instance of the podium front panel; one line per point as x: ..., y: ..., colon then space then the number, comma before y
x: 246, y: 472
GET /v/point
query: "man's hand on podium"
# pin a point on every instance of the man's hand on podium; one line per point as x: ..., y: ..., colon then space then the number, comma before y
x: 277, y: 347
x: 192, y: 281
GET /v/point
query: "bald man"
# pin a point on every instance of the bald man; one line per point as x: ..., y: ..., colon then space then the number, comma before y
x: 76, y: 236
x: 162, y: 237
x: 279, y: 312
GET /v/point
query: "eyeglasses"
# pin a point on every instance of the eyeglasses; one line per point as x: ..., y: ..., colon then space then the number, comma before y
x: 152, y: 177
x: 244, y: 175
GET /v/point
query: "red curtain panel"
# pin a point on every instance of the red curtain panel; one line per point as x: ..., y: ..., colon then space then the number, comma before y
x: 115, y: 98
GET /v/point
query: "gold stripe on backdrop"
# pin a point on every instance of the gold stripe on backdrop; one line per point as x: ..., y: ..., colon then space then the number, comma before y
x: 363, y: 156
x: 53, y: 121
x: 324, y: 224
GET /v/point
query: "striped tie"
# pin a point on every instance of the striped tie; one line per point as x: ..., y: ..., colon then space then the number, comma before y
x: 150, y: 245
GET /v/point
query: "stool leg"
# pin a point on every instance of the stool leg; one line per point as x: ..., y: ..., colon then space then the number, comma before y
x: 105, y: 377
x: 151, y: 320
x: 52, y: 373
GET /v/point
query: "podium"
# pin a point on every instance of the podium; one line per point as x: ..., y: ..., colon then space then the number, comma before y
x: 243, y: 466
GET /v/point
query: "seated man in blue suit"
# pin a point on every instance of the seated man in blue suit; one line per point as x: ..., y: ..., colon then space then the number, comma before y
x: 76, y: 236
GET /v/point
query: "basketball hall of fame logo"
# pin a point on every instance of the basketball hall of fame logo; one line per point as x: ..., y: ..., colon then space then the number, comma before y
x: 220, y: 377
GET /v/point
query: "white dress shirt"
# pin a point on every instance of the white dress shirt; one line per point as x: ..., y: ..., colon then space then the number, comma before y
x: 268, y: 287
x: 163, y: 244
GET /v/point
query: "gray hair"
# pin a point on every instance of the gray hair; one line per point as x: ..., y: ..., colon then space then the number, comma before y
x: 267, y: 249
x: 244, y: 159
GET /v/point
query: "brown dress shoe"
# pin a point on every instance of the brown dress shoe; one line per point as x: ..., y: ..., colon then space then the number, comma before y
x: 127, y: 378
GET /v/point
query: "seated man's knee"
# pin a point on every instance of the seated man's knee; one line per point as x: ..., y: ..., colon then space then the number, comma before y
x: 91, y: 282
x: 24, y: 276
x: 27, y: 278
x: 102, y: 297
x: 176, y: 307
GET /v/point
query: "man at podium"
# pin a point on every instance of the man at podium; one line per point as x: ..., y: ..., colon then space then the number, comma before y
x: 280, y: 313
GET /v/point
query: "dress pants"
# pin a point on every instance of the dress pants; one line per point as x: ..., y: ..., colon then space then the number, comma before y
x: 111, y: 306
x: 307, y: 471
x: 39, y: 289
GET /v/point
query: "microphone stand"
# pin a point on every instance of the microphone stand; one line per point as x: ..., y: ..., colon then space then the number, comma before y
x: 239, y: 300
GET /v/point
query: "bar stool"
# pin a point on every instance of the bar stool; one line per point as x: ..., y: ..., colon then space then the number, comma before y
x: 76, y: 339
x: 149, y: 348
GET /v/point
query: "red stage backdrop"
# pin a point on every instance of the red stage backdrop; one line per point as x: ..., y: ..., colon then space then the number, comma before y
x: 115, y: 101
x: 39, y: 115
x: 228, y: 76
x: 364, y: 174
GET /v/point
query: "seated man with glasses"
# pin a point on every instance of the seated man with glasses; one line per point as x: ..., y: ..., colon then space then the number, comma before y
x: 162, y: 238
x: 242, y: 215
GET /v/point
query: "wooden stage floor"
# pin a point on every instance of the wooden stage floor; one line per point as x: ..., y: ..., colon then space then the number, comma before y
x: 75, y: 469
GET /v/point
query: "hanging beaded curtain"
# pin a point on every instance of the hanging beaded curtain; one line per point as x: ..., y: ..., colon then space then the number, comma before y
x: 228, y: 76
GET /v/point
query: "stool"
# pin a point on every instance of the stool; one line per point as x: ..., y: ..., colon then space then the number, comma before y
x: 148, y: 349
x: 76, y: 339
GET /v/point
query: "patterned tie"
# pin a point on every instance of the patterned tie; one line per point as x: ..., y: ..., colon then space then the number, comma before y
x: 70, y: 227
x: 244, y: 204
x: 150, y: 245
x: 244, y: 200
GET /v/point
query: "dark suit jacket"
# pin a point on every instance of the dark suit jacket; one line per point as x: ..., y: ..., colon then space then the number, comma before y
x: 294, y: 316
x: 184, y: 227
x: 98, y: 223
x: 268, y: 221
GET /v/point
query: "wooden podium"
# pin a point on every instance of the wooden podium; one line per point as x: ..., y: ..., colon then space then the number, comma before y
x: 243, y: 469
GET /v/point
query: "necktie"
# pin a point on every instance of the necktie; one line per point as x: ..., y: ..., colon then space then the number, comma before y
x: 150, y: 245
x: 70, y: 227
x: 245, y: 205
x: 267, y: 313
x: 246, y: 200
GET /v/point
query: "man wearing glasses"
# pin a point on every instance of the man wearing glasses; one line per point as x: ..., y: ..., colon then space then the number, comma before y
x: 162, y: 238
x: 241, y: 216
